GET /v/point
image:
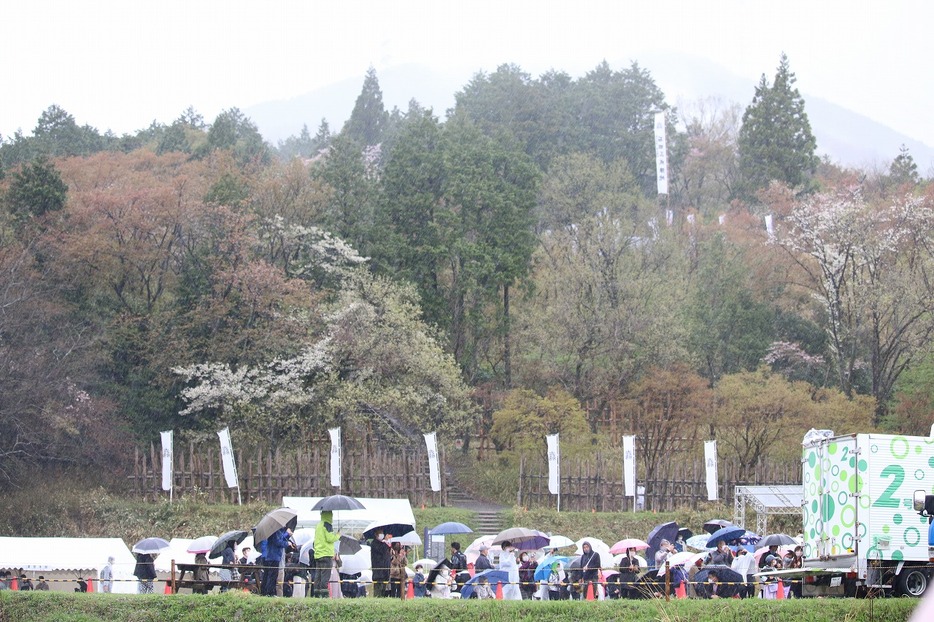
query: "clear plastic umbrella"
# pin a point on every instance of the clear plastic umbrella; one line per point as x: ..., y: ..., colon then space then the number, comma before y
x: 202, y: 544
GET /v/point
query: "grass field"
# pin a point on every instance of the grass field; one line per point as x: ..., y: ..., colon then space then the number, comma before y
x: 56, y: 607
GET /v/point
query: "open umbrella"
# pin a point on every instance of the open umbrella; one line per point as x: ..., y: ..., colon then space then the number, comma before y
x: 547, y: 565
x: 698, y: 542
x: 273, y: 522
x: 151, y: 546
x: 473, y: 550
x: 665, y: 531
x: 301, y: 536
x: 781, y: 552
x: 202, y: 544
x: 236, y: 536
x: 628, y: 543
x: 559, y: 542
x: 495, y: 577
x: 449, y: 528
x: 337, y: 502
x: 408, y: 539
x: 347, y: 546
x: 727, y: 534
x: 715, y: 524
x: 684, y: 558
x: 729, y: 581
x: 388, y: 526
x: 522, y: 538
x: 597, y: 545
x: 685, y: 533
x: 776, y: 539
x: 426, y: 563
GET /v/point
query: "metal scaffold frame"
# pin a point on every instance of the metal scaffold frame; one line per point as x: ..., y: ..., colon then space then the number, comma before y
x: 766, y: 501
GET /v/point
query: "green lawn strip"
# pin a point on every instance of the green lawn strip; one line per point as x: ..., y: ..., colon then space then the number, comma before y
x: 60, y: 607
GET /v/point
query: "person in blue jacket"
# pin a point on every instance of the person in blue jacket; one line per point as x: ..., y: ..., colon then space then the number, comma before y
x: 273, y: 548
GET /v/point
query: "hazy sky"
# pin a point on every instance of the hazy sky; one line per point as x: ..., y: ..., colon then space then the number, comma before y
x: 121, y: 64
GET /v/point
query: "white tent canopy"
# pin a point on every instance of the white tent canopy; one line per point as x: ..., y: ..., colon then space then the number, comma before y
x: 178, y: 552
x: 70, y: 555
x: 353, y: 521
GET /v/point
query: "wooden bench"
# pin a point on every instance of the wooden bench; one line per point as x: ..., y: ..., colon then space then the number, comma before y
x: 180, y: 582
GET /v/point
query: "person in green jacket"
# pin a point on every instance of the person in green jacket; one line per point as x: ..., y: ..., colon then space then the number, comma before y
x: 325, y: 537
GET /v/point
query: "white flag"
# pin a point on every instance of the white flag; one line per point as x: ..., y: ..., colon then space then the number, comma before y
x: 554, y: 464
x: 167, y: 453
x: 710, y: 463
x: 335, y: 456
x: 661, y: 153
x: 721, y: 218
x: 227, y: 459
x: 769, y: 227
x: 629, y: 464
x: 434, y: 474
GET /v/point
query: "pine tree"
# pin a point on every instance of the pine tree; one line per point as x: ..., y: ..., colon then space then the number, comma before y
x: 903, y: 169
x: 775, y: 142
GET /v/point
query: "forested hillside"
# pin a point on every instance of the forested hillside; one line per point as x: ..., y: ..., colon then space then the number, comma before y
x: 506, y: 267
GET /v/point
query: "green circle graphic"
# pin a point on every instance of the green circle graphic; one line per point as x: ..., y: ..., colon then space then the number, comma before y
x: 829, y: 508
x: 914, y: 534
x: 812, y: 459
x: 919, y: 475
x: 897, y: 555
x: 863, y: 465
x: 848, y: 516
x: 897, y: 519
x: 898, y: 453
x: 832, y: 448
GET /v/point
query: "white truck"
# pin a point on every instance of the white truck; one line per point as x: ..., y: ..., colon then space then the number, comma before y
x: 862, y: 530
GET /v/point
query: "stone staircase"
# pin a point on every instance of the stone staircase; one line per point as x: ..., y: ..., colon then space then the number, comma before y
x: 488, y: 521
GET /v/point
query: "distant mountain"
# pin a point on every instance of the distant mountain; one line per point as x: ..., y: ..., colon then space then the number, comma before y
x: 848, y: 138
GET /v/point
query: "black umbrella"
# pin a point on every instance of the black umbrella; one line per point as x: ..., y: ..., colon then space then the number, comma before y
x: 685, y: 533
x: 337, y: 502
x: 730, y: 581
x: 665, y: 531
x: 273, y: 522
x: 715, y: 524
x: 388, y: 527
x: 237, y: 536
x: 776, y: 539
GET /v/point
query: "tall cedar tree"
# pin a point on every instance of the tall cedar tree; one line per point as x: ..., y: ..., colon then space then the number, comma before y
x: 775, y: 142
x: 368, y: 120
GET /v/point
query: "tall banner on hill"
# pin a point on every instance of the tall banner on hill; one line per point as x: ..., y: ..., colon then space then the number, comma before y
x: 629, y: 466
x: 167, y: 454
x: 710, y: 465
x: 434, y: 473
x: 661, y: 154
x: 227, y: 460
x: 335, y: 457
x: 554, y: 466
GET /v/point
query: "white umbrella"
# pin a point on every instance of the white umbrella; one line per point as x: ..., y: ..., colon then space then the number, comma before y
x: 557, y: 542
x: 303, y: 536
x: 684, y: 558
x: 358, y: 562
x: 473, y: 551
x: 598, y: 546
x: 408, y: 539
x: 426, y: 564
x: 202, y: 544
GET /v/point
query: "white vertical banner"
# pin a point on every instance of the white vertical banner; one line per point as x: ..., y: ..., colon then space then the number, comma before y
x: 769, y: 227
x: 710, y: 465
x: 167, y: 453
x: 434, y: 473
x: 629, y: 465
x: 227, y: 459
x: 335, y: 457
x: 554, y: 464
x: 661, y: 154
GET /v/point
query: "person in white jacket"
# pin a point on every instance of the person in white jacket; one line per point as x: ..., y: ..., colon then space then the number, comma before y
x: 744, y: 564
x: 507, y: 563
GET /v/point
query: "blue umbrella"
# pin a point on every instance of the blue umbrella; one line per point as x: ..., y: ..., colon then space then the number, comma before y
x: 450, y: 528
x: 495, y: 577
x: 544, y: 566
x: 727, y: 534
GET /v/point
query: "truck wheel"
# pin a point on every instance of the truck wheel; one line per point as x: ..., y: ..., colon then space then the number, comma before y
x: 913, y: 582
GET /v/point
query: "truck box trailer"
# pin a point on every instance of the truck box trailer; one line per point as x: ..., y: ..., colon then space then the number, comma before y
x: 860, y: 524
